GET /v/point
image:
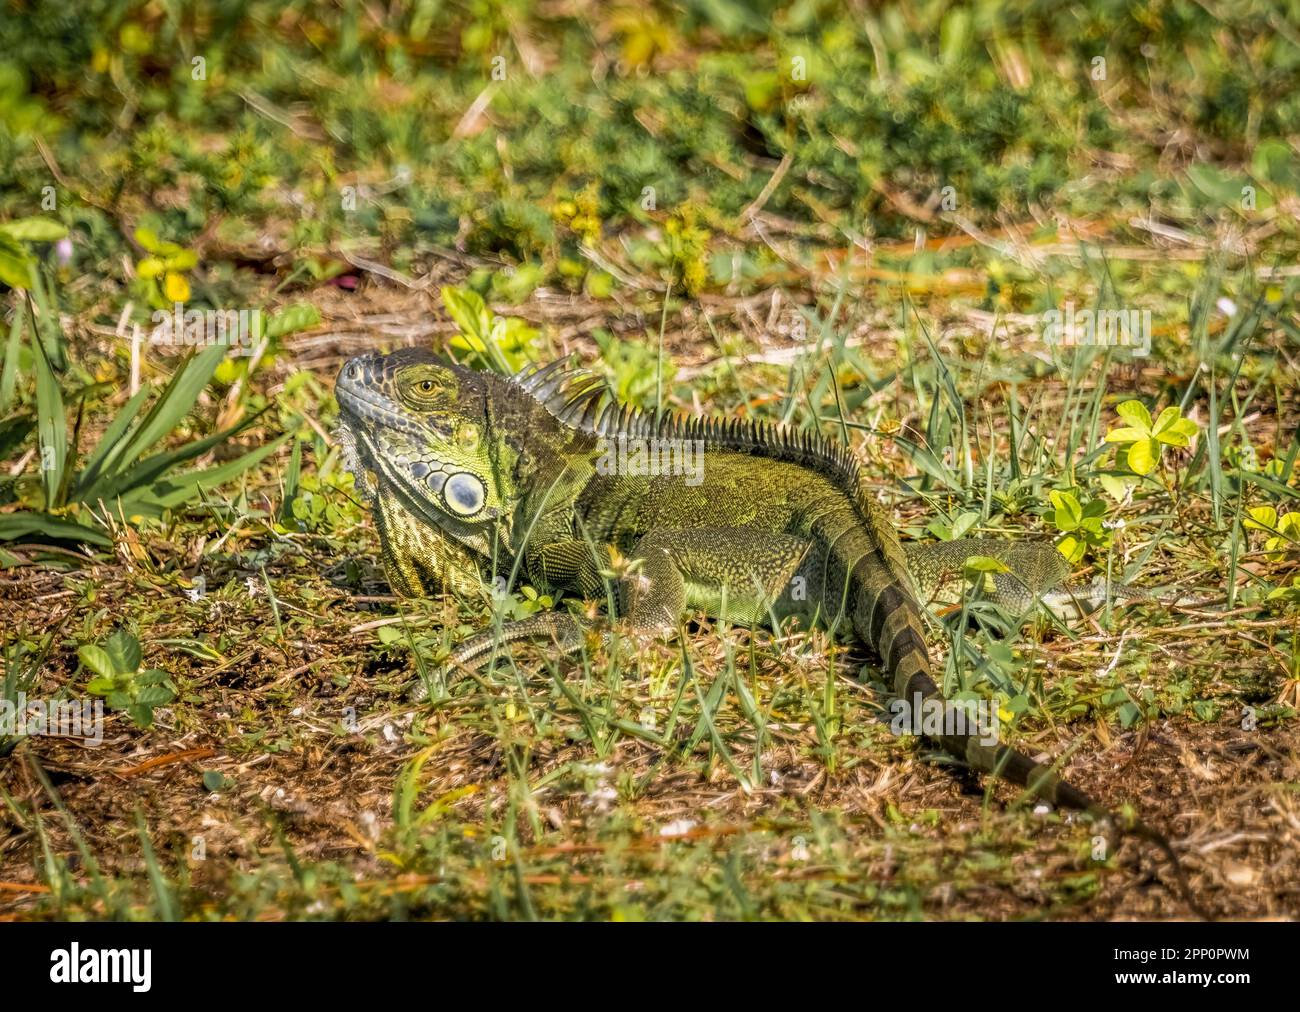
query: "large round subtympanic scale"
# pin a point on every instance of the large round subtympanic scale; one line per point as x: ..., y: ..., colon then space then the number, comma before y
x: 464, y: 494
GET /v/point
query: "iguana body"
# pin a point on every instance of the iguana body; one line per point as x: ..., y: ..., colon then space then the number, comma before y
x: 472, y: 474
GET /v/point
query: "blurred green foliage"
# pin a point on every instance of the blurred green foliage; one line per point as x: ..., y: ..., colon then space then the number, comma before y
x: 524, y: 129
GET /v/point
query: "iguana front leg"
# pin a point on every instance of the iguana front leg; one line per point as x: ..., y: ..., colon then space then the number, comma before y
x: 569, y: 564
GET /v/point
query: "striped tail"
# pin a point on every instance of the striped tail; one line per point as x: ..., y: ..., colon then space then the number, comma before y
x: 887, y: 618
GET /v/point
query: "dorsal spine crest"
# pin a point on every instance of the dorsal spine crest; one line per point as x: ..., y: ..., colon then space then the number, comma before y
x: 581, y: 401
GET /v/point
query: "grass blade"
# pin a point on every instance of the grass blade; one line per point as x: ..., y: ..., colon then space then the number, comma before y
x: 51, y: 426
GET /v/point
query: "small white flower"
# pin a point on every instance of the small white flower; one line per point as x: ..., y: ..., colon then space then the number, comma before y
x: 678, y: 827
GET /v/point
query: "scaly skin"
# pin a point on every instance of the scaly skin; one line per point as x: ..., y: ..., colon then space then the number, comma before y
x: 471, y: 475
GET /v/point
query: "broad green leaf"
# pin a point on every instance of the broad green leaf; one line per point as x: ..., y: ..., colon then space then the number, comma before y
x: 1015, y: 705
x: 1274, y: 162
x: 292, y: 319
x: 1125, y: 435
x: 173, y: 404
x: 1115, y: 486
x: 98, y: 660
x: 154, y: 695
x: 1165, y: 419
x: 34, y: 230
x: 1136, y: 414
x: 1143, y: 456
x: 150, y: 268
x: 17, y: 526
x: 15, y: 263
x: 1260, y: 518
x: 169, y: 493
x: 1068, y: 512
x: 148, y: 238
x: 964, y: 523
x: 1178, y: 432
x: 185, y: 260
x: 469, y: 312
x: 51, y: 427
x: 1223, y: 188
x: 985, y: 564
x: 124, y: 649
x: 9, y: 372
x: 1071, y: 547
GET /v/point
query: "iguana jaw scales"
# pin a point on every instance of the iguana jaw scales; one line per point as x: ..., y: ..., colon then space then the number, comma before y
x: 403, y: 450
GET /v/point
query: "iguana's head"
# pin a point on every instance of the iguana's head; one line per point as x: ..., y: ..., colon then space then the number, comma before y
x: 418, y: 429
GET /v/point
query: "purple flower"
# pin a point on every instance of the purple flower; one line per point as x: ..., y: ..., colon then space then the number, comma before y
x: 63, y: 251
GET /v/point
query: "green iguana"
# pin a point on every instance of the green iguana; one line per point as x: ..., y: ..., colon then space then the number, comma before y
x: 542, y: 476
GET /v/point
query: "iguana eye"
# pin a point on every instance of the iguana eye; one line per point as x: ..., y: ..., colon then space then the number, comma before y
x: 464, y: 494
x: 419, y: 387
